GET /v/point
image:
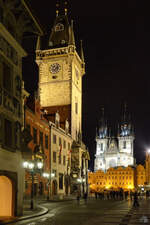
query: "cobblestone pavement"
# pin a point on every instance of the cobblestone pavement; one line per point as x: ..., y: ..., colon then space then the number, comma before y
x: 94, y: 212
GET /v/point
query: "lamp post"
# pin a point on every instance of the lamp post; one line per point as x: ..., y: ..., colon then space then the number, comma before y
x: 49, y: 176
x: 32, y: 167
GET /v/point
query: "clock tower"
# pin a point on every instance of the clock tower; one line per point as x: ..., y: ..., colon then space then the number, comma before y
x: 60, y: 73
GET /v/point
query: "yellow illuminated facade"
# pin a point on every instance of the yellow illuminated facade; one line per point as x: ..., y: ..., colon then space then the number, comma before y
x: 127, y: 178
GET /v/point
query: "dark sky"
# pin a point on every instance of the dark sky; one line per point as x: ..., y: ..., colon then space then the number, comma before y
x: 116, y: 42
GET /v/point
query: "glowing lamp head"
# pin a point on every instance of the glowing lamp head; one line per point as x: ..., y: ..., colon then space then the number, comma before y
x: 40, y: 165
x: 31, y: 166
x: 25, y: 165
x: 52, y: 174
x: 46, y: 175
x: 79, y: 180
x: 148, y: 151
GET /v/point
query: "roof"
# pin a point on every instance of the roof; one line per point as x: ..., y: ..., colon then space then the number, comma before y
x: 40, y: 28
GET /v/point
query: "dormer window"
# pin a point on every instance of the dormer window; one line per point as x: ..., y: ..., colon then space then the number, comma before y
x: 59, y: 27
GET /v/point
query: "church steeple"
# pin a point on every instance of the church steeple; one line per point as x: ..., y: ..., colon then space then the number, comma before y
x: 103, y: 129
x: 126, y: 127
x: 71, y: 35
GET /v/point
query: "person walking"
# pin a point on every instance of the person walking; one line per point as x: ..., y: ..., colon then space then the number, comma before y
x: 85, y: 197
x: 78, y: 197
x: 135, y: 200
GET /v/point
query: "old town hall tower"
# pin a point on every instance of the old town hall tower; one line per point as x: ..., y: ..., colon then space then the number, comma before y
x: 60, y: 72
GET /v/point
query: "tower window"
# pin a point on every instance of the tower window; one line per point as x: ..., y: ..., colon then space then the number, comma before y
x: 101, y: 146
x: 76, y: 108
x: 124, y: 144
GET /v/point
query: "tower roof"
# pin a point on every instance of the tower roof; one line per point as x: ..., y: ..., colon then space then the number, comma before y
x: 62, y: 32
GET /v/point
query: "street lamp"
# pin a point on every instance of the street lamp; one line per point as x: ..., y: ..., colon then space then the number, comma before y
x: 32, y: 167
x: 49, y: 176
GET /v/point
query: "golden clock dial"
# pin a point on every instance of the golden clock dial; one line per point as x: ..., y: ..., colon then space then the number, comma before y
x: 55, y: 68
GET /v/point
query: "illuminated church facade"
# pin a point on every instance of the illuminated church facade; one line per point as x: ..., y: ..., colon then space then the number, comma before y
x: 114, y: 152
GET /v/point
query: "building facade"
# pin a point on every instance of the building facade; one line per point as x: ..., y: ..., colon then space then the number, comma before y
x: 11, y: 114
x: 112, y: 151
x: 50, y: 144
x: 126, y: 178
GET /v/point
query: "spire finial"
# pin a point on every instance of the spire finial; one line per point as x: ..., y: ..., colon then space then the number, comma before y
x: 65, y: 5
x: 57, y: 7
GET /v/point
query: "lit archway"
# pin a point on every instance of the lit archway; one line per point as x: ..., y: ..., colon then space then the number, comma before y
x: 5, y: 196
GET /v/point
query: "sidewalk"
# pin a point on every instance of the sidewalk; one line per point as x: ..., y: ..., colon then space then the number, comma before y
x: 37, y: 211
x: 27, y: 213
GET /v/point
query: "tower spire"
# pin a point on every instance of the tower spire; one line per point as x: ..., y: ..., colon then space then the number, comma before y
x: 103, y: 130
x: 81, y: 51
x: 71, y: 35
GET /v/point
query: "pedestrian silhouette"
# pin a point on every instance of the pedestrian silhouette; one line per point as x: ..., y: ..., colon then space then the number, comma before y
x: 135, y: 201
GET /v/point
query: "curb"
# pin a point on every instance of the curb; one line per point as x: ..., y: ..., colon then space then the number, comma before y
x: 44, y: 211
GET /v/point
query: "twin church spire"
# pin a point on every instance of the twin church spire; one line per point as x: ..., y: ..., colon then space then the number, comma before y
x: 125, y: 126
x: 61, y: 7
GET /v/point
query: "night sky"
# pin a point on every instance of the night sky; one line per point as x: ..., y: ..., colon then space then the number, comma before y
x: 116, y: 42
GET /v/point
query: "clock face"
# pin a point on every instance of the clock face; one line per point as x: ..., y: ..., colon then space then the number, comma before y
x: 55, y: 68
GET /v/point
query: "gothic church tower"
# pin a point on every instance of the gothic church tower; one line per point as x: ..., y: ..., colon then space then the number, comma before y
x: 60, y: 72
x: 126, y: 139
x: 102, y: 141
